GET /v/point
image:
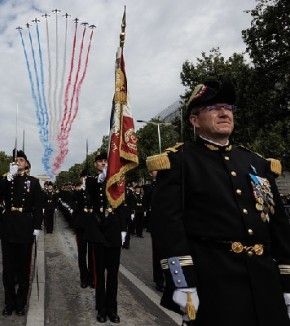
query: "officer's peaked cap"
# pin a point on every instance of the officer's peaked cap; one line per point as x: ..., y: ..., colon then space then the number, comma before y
x: 101, y: 156
x: 211, y: 92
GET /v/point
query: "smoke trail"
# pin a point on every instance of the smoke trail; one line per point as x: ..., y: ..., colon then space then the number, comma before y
x: 81, y: 81
x: 62, y: 79
x: 30, y: 79
x: 48, y: 150
x: 66, y: 99
x: 49, y: 80
x: 55, y: 77
x: 63, y: 145
x: 69, y: 119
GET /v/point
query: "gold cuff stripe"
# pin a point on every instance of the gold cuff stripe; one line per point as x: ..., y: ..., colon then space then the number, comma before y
x: 284, y: 269
x: 183, y: 261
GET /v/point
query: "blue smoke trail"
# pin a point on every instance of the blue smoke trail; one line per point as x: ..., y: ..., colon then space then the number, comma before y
x: 40, y: 107
x: 48, y: 149
x: 30, y: 78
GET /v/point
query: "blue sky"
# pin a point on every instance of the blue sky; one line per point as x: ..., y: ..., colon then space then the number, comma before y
x: 160, y: 36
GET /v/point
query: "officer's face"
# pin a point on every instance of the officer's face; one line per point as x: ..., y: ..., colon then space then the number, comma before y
x: 216, y: 125
x: 100, y: 164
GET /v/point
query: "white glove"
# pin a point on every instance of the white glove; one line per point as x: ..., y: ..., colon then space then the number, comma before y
x: 144, y: 214
x: 83, y: 186
x: 123, y: 236
x: 13, y: 170
x: 287, y: 302
x: 180, y: 298
x: 132, y: 216
x: 71, y: 210
x: 102, y: 175
x: 36, y: 234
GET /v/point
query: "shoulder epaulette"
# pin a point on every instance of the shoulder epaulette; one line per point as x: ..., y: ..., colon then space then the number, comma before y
x: 161, y: 161
x: 173, y: 148
x: 158, y: 162
x: 275, y: 165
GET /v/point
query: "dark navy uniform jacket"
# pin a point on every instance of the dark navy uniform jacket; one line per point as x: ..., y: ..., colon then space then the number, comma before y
x: 207, y: 200
x: 106, y: 224
x: 22, y: 208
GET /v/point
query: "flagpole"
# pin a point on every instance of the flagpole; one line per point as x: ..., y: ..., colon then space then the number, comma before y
x: 16, y: 128
x: 123, y: 27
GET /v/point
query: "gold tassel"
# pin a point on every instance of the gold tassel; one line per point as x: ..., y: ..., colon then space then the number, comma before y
x: 190, y: 310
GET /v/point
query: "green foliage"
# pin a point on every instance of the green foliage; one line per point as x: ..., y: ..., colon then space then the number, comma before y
x: 5, y: 160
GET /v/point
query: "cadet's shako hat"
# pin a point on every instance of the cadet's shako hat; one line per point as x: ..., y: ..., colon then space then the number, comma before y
x: 101, y: 156
x: 19, y: 154
x: 212, y: 92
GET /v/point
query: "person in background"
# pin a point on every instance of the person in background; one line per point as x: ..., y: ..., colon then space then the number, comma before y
x: 219, y: 224
x: 20, y: 224
x: 158, y: 275
x: 138, y: 210
x: 50, y: 200
x: 83, y: 212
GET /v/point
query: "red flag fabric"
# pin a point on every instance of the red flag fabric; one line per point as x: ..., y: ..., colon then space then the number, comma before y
x: 122, y: 154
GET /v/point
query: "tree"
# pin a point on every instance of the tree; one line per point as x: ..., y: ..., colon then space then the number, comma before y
x: 268, y: 42
x: 5, y: 160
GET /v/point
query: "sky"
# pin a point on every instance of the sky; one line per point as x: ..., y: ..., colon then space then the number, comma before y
x: 160, y: 36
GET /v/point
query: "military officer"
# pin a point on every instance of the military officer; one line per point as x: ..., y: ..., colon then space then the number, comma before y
x: 50, y: 199
x: 20, y: 224
x: 219, y: 224
x: 107, y: 231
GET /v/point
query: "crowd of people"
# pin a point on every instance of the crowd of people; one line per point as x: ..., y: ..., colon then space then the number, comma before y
x: 220, y: 235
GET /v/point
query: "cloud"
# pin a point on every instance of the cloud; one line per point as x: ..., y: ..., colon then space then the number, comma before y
x: 160, y: 36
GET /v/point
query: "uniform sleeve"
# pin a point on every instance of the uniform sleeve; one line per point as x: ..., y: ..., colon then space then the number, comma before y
x: 168, y: 230
x: 280, y: 236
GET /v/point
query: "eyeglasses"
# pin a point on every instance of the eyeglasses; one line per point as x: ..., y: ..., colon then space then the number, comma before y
x: 218, y: 107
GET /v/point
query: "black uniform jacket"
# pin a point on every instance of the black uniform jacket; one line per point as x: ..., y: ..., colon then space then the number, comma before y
x: 23, y: 208
x: 82, y: 208
x: 106, y: 223
x: 204, y: 202
x: 50, y: 199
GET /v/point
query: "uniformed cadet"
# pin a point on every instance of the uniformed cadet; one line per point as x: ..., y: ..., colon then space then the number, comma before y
x: 107, y: 232
x: 138, y: 208
x: 83, y: 211
x: 20, y: 224
x: 219, y: 223
x: 50, y: 200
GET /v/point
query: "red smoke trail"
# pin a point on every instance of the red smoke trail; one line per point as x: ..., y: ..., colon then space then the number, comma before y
x: 68, y: 86
x: 66, y: 126
x: 81, y: 82
x: 69, y: 119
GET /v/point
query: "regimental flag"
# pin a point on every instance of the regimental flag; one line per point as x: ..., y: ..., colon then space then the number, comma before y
x: 122, y: 153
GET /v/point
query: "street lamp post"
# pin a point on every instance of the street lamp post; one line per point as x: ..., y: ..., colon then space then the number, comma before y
x: 158, y: 129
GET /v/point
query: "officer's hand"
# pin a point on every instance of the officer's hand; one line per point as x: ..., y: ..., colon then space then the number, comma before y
x: 13, y: 170
x: 36, y: 234
x: 144, y: 214
x: 132, y: 216
x: 123, y: 236
x: 287, y: 302
x: 188, y: 301
x: 102, y: 175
